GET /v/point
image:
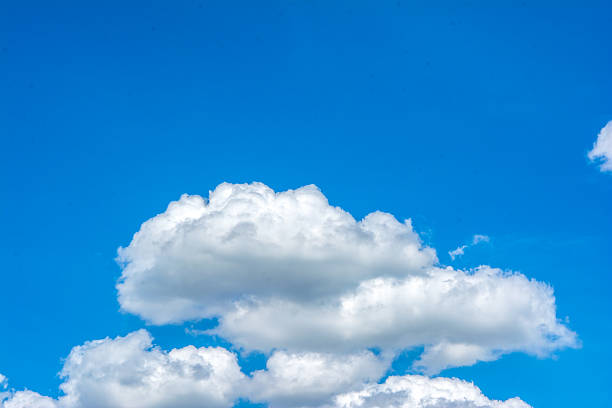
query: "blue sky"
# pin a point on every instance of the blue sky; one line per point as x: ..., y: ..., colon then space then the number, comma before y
x: 469, y: 118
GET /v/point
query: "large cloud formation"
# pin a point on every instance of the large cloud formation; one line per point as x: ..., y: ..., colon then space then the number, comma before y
x: 602, y: 148
x: 288, y: 270
x: 330, y: 299
x: 247, y: 241
x: 129, y: 372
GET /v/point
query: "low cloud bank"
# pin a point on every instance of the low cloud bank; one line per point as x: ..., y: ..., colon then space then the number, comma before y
x: 129, y: 372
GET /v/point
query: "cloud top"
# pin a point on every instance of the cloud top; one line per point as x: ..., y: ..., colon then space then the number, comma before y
x: 416, y: 391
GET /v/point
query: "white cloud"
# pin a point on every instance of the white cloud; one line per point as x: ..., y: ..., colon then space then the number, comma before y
x: 26, y: 399
x: 416, y: 391
x: 480, y: 238
x: 196, y: 258
x: 287, y: 270
x: 461, y: 249
x: 312, y: 379
x: 289, y: 274
x: 485, y: 313
x: 602, y: 148
x: 3, y: 386
x: 127, y: 372
x: 130, y: 372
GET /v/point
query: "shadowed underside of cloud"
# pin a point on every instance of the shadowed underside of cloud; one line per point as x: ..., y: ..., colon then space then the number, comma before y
x: 128, y: 372
x: 602, y: 148
x: 460, y: 318
x: 288, y: 270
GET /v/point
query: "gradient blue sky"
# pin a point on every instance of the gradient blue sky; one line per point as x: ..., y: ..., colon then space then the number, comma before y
x: 468, y: 117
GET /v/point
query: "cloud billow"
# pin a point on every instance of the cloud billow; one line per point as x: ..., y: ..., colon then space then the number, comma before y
x: 288, y: 270
x: 291, y: 275
x: 247, y: 241
x: 130, y: 372
x: 417, y: 391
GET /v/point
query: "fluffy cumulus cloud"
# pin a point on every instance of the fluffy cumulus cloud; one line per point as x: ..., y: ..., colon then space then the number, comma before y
x: 602, y: 149
x: 27, y: 399
x: 315, y: 289
x: 416, y: 391
x: 129, y: 372
x: 460, y: 317
x: 312, y: 379
x: 288, y: 270
x: 247, y: 241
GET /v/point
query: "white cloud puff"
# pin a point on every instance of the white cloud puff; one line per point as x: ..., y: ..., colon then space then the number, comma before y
x: 412, y: 391
x: 312, y: 379
x: 127, y: 372
x: 287, y: 270
x: 246, y: 240
x: 27, y: 399
x: 602, y: 148
x: 130, y: 372
x: 22, y: 399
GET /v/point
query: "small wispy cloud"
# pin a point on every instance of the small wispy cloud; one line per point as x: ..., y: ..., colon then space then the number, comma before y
x: 602, y: 148
x: 476, y: 239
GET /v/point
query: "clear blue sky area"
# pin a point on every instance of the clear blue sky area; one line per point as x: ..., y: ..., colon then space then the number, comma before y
x: 470, y: 117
